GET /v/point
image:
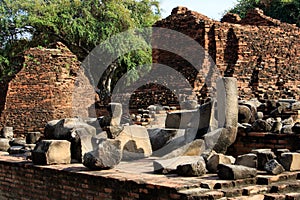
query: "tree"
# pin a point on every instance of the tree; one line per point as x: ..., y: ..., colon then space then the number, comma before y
x: 284, y: 10
x: 79, y: 24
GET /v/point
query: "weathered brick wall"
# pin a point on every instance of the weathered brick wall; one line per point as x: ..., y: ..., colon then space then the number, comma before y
x: 245, y: 142
x: 262, y: 53
x: 44, y: 90
x: 22, y: 180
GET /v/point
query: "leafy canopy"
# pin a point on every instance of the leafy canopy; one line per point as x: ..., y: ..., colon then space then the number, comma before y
x: 80, y: 24
x: 284, y: 10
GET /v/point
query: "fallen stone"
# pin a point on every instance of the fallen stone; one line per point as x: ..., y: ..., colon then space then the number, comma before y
x: 204, y: 119
x: 16, y: 150
x: 273, y: 167
x: 7, y: 132
x: 62, y: 129
x: 234, y: 172
x: 4, y: 144
x: 220, y: 139
x: 244, y: 115
x: 135, y: 142
x: 215, y: 160
x: 197, y: 168
x: 179, y: 119
x: 194, y: 148
x: 290, y: 161
x: 170, y: 165
x: 49, y: 152
x: 247, y: 160
x: 263, y: 158
x: 277, y: 126
x: 33, y: 137
x: 287, y: 129
x: 107, y: 155
x: 261, y: 126
x: 17, y: 142
x: 81, y: 143
x: 115, y: 112
x: 160, y: 137
x: 260, y: 115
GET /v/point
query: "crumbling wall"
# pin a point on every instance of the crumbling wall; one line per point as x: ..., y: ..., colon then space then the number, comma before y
x: 46, y: 88
x: 262, y: 53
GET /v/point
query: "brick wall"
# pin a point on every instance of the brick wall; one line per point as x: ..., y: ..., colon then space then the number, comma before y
x: 49, y: 86
x: 262, y: 53
x: 24, y: 181
x: 245, y: 142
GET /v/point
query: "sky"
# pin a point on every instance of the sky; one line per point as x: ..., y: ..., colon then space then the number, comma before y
x: 211, y: 8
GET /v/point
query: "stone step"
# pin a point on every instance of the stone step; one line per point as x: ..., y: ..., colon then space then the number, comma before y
x: 275, y: 190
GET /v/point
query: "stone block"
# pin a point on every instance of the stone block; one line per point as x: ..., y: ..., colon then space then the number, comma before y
x: 179, y: 119
x: 274, y: 167
x: 135, y: 142
x: 197, y: 168
x: 107, y: 155
x: 247, y: 160
x: 290, y: 161
x: 81, y: 143
x: 7, y: 132
x: 49, y: 152
x: 215, y: 160
x: 4, y: 144
x: 165, y: 166
x: 194, y: 148
x: 263, y: 158
x: 115, y: 112
x: 234, y: 172
x: 160, y: 137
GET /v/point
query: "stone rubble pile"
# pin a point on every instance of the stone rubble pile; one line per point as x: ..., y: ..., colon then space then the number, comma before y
x: 190, y: 142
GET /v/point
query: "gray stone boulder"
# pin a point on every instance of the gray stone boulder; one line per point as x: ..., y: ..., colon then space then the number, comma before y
x: 290, y: 161
x: 107, y: 155
x: 113, y: 131
x: 244, y: 114
x: 204, y: 119
x: 194, y: 148
x: 135, y: 142
x: 48, y: 152
x: 167, y: 166
x: 234, y: 172
x: 81, y: 143
x: 4, y: 144
x: 261, y: 126
x: 215, y: 160
x: 196, y: 168
x: 179, y: 119
x: 274, y: 167
x: 182, y: 137
x: 263, y: 157
x: 160, y: 137
x: 247, y: 160
x: 220, y: 139
x: 62, y: 129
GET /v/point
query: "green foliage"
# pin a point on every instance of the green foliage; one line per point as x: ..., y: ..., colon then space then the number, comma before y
x: 81, y: 25
x: 284, y: 10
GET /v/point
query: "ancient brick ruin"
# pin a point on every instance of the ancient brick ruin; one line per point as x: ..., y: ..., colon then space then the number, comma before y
x: 44, y: 90
x: 262, y: 53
